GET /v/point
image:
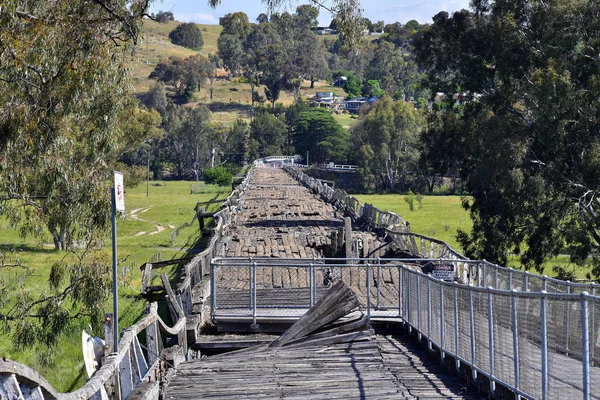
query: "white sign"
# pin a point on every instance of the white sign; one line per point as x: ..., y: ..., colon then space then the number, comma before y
x: 119, y: 192
x: 443, y: 272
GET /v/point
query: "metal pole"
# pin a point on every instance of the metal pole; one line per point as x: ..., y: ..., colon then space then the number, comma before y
x: 429, y: 313
x: 251, y: 282
x: 368, y: 290
x: 148, y: 180
x: 456, y: 330
x: 115, y: 275
x: 401, y: 292
x: 585, y: 344
x: 472, y: 323
x: 419, y: 306
x: 408, y: 295
x: 254, y: 290
x: 544, y: 345
x: 567, y: 320
x: 310, y: 284
x: 213, y: 291
x: 515, y: 329
x: 491, y: 338
x: 378, y: 280
x: 593, y: 330
x: 510, y: 279
x: 526, y: 282
x: 442, y: 322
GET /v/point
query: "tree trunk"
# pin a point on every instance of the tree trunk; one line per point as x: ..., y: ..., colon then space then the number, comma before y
x: 252, y: 88
x: 59, y: 238
x: 312, y: 82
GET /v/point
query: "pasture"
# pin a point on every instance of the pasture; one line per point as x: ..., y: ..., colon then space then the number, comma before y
x: 144, y: 231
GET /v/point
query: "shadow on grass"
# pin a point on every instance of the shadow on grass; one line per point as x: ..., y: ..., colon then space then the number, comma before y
x: 27, y: 248
x: 229, y: 107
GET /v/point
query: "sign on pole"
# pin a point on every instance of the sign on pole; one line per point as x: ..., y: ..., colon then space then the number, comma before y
x: 119, y: 192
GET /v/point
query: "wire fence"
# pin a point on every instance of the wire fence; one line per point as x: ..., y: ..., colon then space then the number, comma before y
x: 540, y: 345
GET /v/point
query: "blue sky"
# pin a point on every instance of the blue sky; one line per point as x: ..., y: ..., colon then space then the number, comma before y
x: 387, y: 10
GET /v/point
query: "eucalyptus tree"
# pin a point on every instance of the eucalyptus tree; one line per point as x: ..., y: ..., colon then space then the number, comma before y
x: 525, y: 137
x: 64, y: 95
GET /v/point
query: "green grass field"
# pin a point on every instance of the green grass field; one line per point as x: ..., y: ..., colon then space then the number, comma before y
x: 442, y: 216
x: 439, y: 217
x: 144, y: 231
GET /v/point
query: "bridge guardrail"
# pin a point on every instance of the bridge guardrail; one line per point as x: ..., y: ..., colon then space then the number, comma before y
x: 540, y: 345
x: 373, y: 217
x: 121, y: 371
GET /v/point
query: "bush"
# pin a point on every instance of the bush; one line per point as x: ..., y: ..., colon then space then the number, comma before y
x: 187, y: 35
x: 218, y: 175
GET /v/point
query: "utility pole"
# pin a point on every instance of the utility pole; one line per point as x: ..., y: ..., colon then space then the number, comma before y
x: 307, y: 158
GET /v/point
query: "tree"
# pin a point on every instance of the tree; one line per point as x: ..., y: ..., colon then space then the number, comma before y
x: 525, y: 136
x: 372, y: 88
x: 385, y: 143
x: 236, y: 24
x: 164, y: 17
x: 317, y: 132
x: 353, y: 85
x: 157, y: 98
x: 308, y: 15
x: 231, y: 50
x: 187, y: 35
x: 262, y: 18
x: 346, y: 13
x: 64, y: 95
x: 186, y: 75
x: 267, y: 136
x: 378, y: 26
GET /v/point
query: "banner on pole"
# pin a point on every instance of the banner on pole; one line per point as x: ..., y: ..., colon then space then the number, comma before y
x: 119, y: 192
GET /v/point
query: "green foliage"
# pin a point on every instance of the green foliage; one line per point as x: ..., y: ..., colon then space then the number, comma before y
x: 268, y: 136
x: 187, y: 35
x: 218, y: 175
x: 317, y: 132
x: 372, y: 88
x: 186, y: 75
x: 236, y: 24
x: 164, y: 17
x: 525, y: 137
x: 409, y: 199
x: 353, y: 85
x: 385, y: 144
x: 66, y: 116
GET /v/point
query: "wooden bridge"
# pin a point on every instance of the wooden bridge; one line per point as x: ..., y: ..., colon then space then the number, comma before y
x: 281, y: 240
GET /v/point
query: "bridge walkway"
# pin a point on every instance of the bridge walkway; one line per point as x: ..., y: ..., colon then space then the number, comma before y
x: 382, y: 367
x: 277, y: 221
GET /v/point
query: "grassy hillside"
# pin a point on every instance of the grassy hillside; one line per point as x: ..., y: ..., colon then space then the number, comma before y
x: 143, y: 232
x: 231, y: 99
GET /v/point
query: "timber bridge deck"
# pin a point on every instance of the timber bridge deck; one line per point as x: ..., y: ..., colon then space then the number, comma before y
x: 281, y: 240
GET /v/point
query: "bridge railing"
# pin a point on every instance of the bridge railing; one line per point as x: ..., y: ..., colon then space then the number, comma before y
x: 540, y: 345
x: 373, y: 217
x: 120, y: 372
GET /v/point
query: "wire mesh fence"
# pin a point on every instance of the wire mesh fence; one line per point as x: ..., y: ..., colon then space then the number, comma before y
x: 538, y: 344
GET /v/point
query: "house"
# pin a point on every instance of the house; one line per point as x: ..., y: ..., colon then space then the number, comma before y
x: 354, y: 105
x: 324, y: 96
x: 340, y: 82
x: 326, y: 31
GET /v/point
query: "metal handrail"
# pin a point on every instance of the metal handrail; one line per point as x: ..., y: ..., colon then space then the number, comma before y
x: 424, y: 300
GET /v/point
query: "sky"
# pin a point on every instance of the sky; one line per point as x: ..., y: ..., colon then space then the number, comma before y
x: 389, y: 11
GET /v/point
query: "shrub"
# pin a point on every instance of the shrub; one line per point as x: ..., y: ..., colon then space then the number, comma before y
x: 187, y: 35
x: 218, y: 175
